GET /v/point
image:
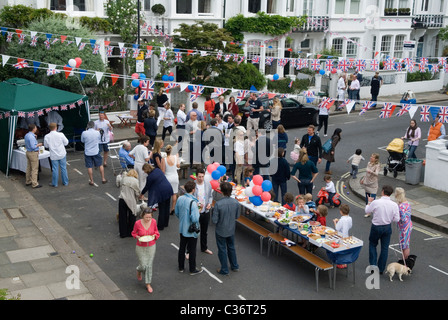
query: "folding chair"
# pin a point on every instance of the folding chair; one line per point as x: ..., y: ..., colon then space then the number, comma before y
x: 114, y: 157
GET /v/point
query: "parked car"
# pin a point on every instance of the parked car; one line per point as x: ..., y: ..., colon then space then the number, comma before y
x: 294, y: 113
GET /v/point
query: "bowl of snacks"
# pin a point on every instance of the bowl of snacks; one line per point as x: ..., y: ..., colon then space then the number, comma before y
x: 293, y: 225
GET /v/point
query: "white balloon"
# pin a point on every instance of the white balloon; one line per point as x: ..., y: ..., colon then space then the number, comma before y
x: 72, y: 63
x: 248, y: 192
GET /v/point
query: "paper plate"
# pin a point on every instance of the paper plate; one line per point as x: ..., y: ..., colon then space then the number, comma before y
x: 146, y: 238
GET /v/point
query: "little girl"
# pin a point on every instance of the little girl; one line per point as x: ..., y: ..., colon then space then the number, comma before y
x: 289, y: 204
x: 294, y: 155
x: 301, y: 207
x: 321, y: 213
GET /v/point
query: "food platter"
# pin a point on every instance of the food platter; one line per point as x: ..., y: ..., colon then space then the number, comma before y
x: 146, y: 238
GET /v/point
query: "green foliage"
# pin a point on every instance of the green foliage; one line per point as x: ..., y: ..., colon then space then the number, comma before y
x: 59, y: 54
x: 419, y: 76
x: 123, y: 17
x: 262, y: 23
x: 158, y: 9
x: 96, y: 24
x: 4, y: 293
x: 282, y: 85
x: 443, y: 33
x: 20, y: 16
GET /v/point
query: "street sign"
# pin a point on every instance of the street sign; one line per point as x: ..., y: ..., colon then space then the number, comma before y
x: 408, y: 45
x: 139, y: 66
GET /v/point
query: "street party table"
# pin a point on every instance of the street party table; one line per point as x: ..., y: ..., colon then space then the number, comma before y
x: 19, y: 161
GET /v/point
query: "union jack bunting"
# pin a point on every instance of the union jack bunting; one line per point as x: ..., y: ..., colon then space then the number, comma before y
x: 163, y: 55
x: 268, y: 61
x: 424, y: 61
x: 33, y: 41
x: 404, y: 109
x: 135, y: 52
x: 329, y: 64
x: 422, y: 67
x: 21, y: 114
x: 345, y: 103
x: 241, y: 59
x: 82, y: 45
x: 178, y: 57
x: 217, y: 92
x: 21, y: 64
x: 147, y: 89
x: 123, y: 52
x: 227, y: 57
x: 343, y: 65
x: 301, y: 63
x: 360, y: 65
x: 315, y: 64
x: 399, y: 66
x: 290, y: 84
x: 408, y: 61
x: 326, y: 103
x: 442, y: 61
x: 410, y: 66
x: 387, y: 110
x: 374, y: 65
x: 389, y: 64
x: 48, y: 110
x: 366, y: 106
x: 9, y: 36
x: 21, y: 38
x: 282, y: 62
x: 196, y: 92
x: 40, y: 113
x: 171, y: 85
x: 96, y: 49
x: 30, y: 114
x: 55, y: 108
x: 219, y: 55
x: 293, y: 62
x: 445, y: 68
x: 72, y: 106
x: 109, y: 50
x: 148, y: 54
x: 256, y: 59
x: 47, y: 44
x: 55, y: 40
x: 52, y: 70
x: 64, y: 107
x: 424, y: 113
x: 443, y: 114
x: 241, y: 95
x: 435, y: 68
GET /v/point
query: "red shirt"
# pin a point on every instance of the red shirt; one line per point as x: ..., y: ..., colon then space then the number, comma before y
x: 292, y: 207
x: 233, y: 108
x: 139, y: 230
x: 321, y: 220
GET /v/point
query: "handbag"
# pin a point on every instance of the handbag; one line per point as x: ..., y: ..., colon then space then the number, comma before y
x: 193, y: 226
x: 327, y: 146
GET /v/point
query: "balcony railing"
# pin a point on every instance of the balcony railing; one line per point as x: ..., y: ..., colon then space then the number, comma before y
x: 427, y: 21
x: 314, y: 24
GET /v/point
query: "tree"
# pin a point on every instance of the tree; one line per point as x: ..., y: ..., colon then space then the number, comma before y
x: 123, y: 17
x: 208, y: 70
x: 59, y: 54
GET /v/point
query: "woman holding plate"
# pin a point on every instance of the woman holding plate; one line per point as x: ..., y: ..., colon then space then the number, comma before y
x: 146, y: 233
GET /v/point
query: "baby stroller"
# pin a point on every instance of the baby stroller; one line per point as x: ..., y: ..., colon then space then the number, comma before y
x: 396, y: 162
x: 408, y: 98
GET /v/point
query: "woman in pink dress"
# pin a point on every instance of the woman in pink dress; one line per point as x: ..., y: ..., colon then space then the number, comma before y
x: 146, y: 233
x: 405, y: 223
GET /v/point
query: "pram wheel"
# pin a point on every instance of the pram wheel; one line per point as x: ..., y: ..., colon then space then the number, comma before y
x: 395, y: 173
x: 385, y: 171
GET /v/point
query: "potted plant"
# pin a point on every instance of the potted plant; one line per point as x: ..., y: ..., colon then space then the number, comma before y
x: 158, y: 9
x: 387, y: 11
x: 394, y: 11
x: 404, y: 11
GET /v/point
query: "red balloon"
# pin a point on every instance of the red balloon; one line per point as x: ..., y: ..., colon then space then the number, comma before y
x: 257, y: 190
x: 334, y: 70
x: 135, y: 76
x: 258, y: 180
x: 265, y: 196
x: 214, y: 184
x: 210, y: 168
x: 78, y: 62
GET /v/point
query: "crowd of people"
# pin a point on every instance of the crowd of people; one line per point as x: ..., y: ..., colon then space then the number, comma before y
x: 152, y: 178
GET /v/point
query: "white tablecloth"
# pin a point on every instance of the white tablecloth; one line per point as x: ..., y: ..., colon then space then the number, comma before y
x: 18, y: 161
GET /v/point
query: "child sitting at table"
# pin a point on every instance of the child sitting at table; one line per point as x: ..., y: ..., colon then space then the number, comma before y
x: 248, y: 174
x: 311, y: 204
x: 301, y: 207
x: 343, y: 225
x: 289, y: 201
x: 321, y: 213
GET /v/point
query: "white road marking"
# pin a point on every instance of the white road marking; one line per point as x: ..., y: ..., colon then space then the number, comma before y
x: 78, y: 171
x: 110, y: 196
x: 241, y: 297
x: 445, y: 273
x: 434, y: 238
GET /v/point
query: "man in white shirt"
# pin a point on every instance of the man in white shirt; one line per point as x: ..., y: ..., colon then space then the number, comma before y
x: 56, y: 141
x: 341, y: 91
x: 104, y: 127
x: 203, y: 193
x: 385, y: 211
x: 354, y: 90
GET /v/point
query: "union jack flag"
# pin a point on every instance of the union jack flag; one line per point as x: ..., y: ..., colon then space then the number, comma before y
x: 241, y: 95
x: 293, y: 62
x: 408, y: 61
x: 135, y: 52
x: 256, y: 59
x: 52, y: 71
x: 343, y: 65
x: 196, y: 92
x: 72, y: 106
x: 424, y: 113
x: 227, y: 57
x: 21, y: 114
x: 48, y: 110
x: 64, y: 107
x: 109, y: 50
x: 47, y: 44
x: 374, y: 65
x: 445, y: 68
x: 389, y: 64
x: 301, y: 63
x: 30, y: 114
x: 345, y: 103
x: 422, y: 67
x: 268, y: 61
x: 81, y: 46
x: 309, y: 95
x: 360, y: 65
x: 217, y: 92
x: 219, y: 55
x: 9, y: 36
x: 423, y: 61
x: 96, y: 49
x: 33, y: 41
x: 404, y: 109
x: 443, y: 114
x: 329, y: 64
x: 387, y: 110
x: 235, y: 57
x: 282, y: 62
x: 411, y: 66
x: 399, y: 66
x: 442, y: 61
x: 123, y: 52
x: 315, y: 65
x: 326, y: 103
x: 290, y: 84
x: 178, y: 57
x: 241, y: 59
x: 147, y: 89
x: 21, y: 38
x: 21, y: 64
x: 148, y: 54
x: 435, y: 68
x: 163, y: 55
x: 366, y: 106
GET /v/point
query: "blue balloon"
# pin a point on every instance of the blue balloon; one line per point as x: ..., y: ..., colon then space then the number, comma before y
x: 256, y: 201
x: 142, y: 76
x: 266, y: 185
x: 322, y: 72
x: 135, y: 96
x: 216, y: 174
x: 135, y: 83
x: 190, y: 87
x: 165, y: 77
x: 222, y: 169
x: 276, y: 76
x: 171, y: 78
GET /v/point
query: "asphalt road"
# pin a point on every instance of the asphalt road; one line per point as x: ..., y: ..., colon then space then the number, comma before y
x: 88, y: 213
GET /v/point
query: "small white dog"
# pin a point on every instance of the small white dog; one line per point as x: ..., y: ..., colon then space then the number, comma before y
x: 397, y: 268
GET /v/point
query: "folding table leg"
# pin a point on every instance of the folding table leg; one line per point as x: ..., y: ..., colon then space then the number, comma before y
x: 317, y: 278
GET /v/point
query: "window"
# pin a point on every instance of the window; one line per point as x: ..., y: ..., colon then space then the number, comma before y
x: 403, y: 4
x: 389, y: 4
x: 204, y: 6
x: 271, y: 6
x: 254, y: 6
x: 374, y: 47
x: 308, y: 8
x: 58, y: 5
x: 253, y: 49
x: 290, y: 6
x: 385, y: 45
x: 354, y: 6
x: 338, y: 45
x: 352, y: 48
x: 147, y: 5
x: 183, y: 6
x: 398, y: 46
x: 272, y: 52
x: 339, y: 7
x: 425, y: 4
x: 79, y: 5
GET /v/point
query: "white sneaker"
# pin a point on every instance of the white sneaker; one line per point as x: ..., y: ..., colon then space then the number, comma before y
x: 325, y: 135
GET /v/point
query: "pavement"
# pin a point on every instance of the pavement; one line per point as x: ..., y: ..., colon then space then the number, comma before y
x: 39, y: 260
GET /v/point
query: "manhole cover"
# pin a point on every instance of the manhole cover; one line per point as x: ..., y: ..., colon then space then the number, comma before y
x: 14, y: 213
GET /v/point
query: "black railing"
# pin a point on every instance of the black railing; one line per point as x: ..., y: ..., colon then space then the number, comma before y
x: 427, y: 21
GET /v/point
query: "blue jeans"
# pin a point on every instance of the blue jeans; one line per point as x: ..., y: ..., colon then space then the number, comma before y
x: 354, y: 171
x: 411, y: 153
x: 226, y: 249
x: 313, y: 159
x: 305, y: 186
x: 379, y: 233
x: 275, y: 187
x: 55, y: 165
